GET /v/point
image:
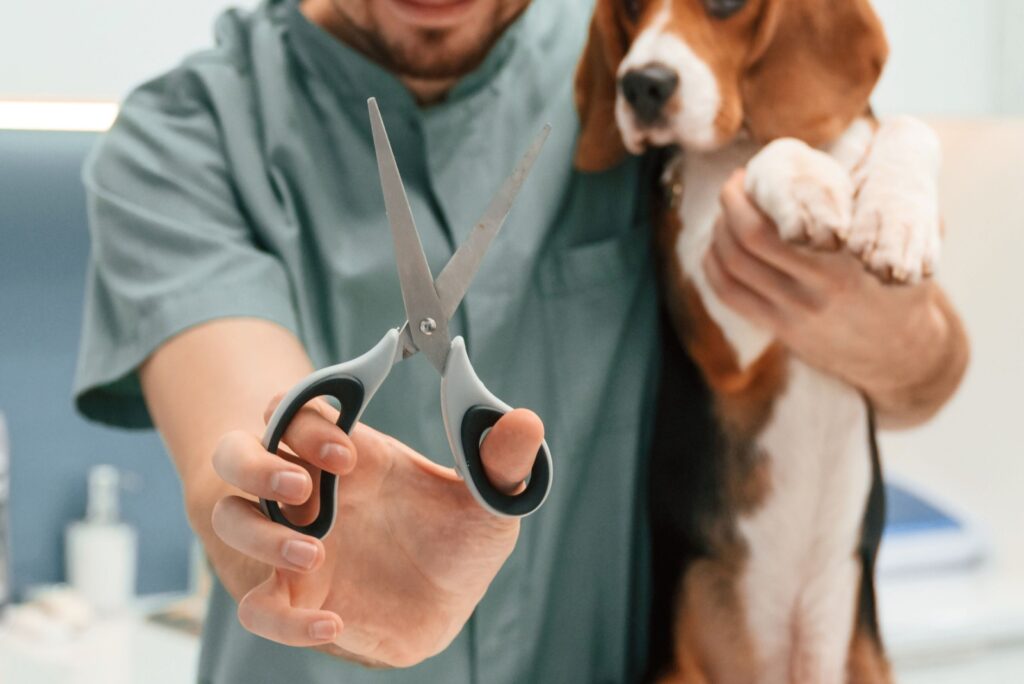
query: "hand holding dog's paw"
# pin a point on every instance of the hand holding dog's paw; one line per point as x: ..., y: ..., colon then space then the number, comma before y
x: 805, y: 192
x: 896, y: 230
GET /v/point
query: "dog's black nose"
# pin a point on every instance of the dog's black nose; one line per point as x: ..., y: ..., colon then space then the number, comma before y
x: 648, y: 89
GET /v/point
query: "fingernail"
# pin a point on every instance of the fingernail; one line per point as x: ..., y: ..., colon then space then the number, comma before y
x: 288, y: 484
x: 299, y: 553
x: 325, y: 630
x: 333, y: 452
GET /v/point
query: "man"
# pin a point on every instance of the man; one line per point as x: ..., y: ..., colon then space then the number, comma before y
x: 240, y: 241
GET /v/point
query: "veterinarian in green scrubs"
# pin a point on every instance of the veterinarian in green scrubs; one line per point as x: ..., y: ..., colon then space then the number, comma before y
x: 237, y: 221
x: 244, y: 184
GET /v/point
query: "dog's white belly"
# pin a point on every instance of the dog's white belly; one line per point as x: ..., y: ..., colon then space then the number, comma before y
x: 800, y: 583
x: 800, y: 586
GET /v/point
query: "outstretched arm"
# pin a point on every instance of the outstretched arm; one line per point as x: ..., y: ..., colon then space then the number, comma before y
x: 411, y: 553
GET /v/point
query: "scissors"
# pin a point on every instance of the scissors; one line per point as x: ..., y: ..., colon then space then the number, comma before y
x: 468, y: 409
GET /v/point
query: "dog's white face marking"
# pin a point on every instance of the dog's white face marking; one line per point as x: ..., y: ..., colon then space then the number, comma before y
x: 693, y: 108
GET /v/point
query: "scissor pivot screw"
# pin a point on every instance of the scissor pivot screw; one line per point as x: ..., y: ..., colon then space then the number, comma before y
x: 428, y: 326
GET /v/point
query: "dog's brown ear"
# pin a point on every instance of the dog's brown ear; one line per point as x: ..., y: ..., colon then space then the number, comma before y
x: 600, y: 145
x: 813, y: 67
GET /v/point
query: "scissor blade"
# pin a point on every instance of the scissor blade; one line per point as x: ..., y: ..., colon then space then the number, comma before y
x: 418, y: 293
x: 458, y: 273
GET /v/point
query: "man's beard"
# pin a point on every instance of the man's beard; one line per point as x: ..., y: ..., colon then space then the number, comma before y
x: 427, y: 55
x: 429, y: 58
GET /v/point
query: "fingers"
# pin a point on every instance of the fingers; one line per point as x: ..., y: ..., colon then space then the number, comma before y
x: 267, y: 612
x: 241, y: 460
x: 510, y: 448
x: 314, y: 437
x: 241, y: 525
x: 759, y: 276
x: 738, y: 296
x: 758, y: 235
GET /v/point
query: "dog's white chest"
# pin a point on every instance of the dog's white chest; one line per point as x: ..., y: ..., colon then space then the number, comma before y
x: 799, y: 588
x: 703, y: 175
x: 800, y: 583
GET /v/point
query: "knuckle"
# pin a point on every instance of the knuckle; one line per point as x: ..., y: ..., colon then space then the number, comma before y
x: 786, y: 326
x: 714, y: 274
x: 845, y: 280
x: 835, y: 287
x: 726, y: 290
x: 797, y: 316
x: 220, y: 517
x: 227, y: 450
x: 814, y: 306
x: 313, y: 413
x: 247, y: 615
x: 272, y: 405
x: 756, y: 233
x: 725, y: 193
x: 233, y: 442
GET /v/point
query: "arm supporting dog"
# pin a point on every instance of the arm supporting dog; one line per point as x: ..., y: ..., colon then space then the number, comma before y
x: 904, y: 347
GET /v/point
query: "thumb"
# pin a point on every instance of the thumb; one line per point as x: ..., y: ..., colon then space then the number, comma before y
x: 510, y: 448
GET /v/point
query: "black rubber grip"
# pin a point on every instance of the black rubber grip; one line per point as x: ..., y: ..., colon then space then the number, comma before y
x: 478, y: 420
x: 349, y: 392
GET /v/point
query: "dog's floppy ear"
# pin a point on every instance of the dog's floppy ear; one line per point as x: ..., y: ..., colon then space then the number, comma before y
x: 813, y: 67
x: 600, y: 145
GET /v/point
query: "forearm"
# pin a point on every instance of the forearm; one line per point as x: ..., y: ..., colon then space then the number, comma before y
x: 929, y: 358
x: 208, y: 381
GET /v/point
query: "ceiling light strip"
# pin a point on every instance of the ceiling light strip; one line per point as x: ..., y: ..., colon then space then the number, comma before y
x: 57, y: 116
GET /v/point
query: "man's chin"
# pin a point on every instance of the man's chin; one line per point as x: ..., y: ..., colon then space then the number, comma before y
x: 436, y: 55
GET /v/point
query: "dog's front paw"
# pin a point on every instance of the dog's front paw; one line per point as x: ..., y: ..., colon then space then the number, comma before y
x: 804, y: 191
x: 896, y: 228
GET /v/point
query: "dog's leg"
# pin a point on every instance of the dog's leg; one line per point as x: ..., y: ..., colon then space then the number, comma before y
x: 867, y: 664
x: 712, y: 642
x: 804, y: 572
x: 806, y: 192
x: 896, y: 228
x: 826, y: 604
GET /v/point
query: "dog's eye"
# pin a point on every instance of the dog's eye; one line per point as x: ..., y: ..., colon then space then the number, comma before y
x: 633, y: 9
x: 722, y: 9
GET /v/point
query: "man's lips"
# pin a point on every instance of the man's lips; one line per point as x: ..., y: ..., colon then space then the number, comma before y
x: 432, y: 13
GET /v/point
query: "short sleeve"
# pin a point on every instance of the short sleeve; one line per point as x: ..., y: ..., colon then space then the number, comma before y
x: 170, y: 246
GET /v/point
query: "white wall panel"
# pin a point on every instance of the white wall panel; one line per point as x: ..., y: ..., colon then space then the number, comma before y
x: 949, y: 57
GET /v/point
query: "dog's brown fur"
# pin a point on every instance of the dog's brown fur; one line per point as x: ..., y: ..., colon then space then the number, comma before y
x: 787, y: 68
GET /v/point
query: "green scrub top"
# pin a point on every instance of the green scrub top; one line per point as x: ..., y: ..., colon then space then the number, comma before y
x: 244, y: 183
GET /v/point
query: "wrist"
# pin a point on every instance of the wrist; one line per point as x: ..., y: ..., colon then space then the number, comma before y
x: 927, y: 361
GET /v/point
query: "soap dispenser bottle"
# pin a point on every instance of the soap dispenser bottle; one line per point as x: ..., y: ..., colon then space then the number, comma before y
x: 101, y: 550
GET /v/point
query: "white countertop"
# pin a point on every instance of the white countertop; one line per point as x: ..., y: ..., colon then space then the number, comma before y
x: 134, y: 651
x: 127, y: 650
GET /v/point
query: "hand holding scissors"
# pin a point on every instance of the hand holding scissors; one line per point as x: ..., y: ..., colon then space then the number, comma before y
x: 468, y: 408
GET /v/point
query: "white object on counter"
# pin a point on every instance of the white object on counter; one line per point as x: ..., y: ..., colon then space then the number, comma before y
x: 101, y: 550
x: 126, y: 649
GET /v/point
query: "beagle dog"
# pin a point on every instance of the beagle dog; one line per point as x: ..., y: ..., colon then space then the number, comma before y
x: 766, y: 501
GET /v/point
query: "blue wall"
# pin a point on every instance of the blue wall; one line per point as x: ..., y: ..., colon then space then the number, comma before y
x: 44, y: 246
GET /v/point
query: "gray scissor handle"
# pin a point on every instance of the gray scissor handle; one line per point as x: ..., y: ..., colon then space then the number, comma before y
x: 353, y: 384
x: 469, y: 411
